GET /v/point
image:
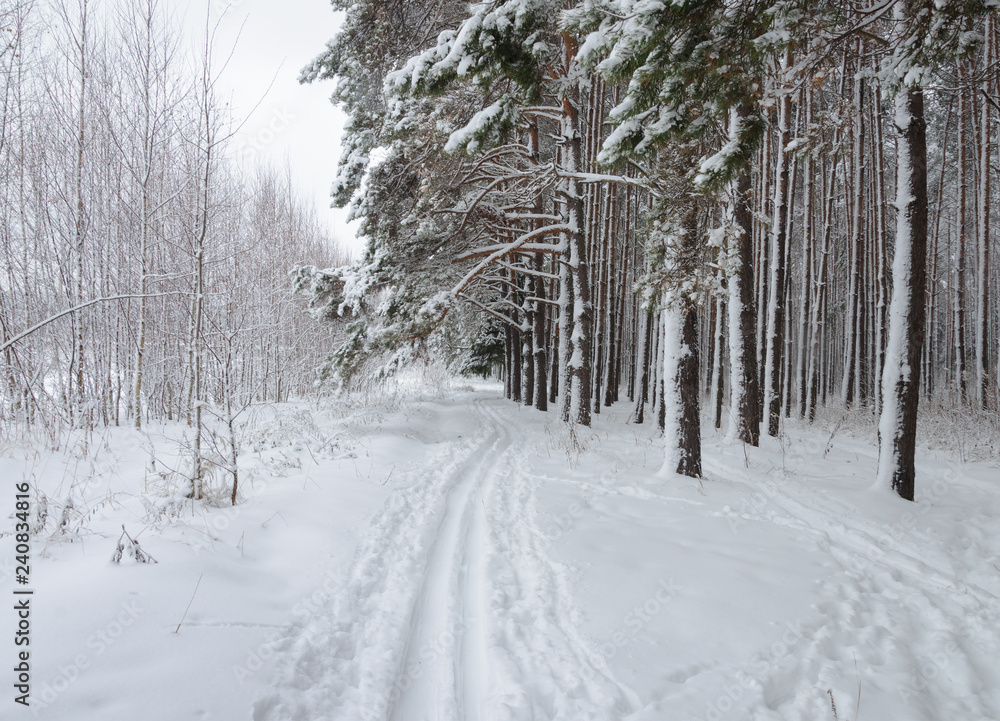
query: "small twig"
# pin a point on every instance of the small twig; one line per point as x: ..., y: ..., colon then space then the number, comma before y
x: 857, y: 707
x: 189, y: 603
x: 833, y: 705
x: 829, y: 443
x: 390, y: 474
x: 131, y: 540
x: 134, y: 549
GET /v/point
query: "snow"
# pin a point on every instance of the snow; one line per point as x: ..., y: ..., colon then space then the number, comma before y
x: 453, y: 555
x: 483, y: 122
x: 674, y: 351
x: 715, y: 165
x: 896, y: 369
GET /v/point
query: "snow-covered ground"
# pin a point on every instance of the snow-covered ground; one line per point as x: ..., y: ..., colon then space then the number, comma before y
x: 459, y: 557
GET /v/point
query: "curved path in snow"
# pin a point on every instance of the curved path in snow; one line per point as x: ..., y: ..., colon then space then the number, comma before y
x: 452, y: 610
x: 790, y: 590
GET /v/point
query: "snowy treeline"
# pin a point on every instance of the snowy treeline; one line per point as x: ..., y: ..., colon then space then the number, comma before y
x: 121, y: 202
x: 771, y: 207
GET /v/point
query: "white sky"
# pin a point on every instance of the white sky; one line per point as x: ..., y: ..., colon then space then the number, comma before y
x: 296, y: 123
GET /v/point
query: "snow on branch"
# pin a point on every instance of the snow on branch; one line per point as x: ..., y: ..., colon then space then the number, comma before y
x: 527, y: 248
x: 52, y: 318
x: 506, y: 249
x: 486, y: 127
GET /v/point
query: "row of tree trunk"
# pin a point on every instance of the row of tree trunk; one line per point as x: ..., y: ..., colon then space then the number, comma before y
x: 804, y: 305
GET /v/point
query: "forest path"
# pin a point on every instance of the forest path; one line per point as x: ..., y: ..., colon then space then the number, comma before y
x: 451, y: 610
x: 443, y: 674
x: 516, y: 573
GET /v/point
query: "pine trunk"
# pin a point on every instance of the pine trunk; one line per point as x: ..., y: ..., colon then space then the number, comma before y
x: 776, y: 295
x: 983, y: 228
x: 744, y: 384
x: 901, y: 379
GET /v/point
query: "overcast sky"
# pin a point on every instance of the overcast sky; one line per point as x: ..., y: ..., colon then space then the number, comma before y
x: 273, y: 41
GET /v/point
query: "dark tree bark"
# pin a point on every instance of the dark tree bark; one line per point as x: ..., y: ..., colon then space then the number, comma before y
x: 901, y: 379
x: 538, y: 330
x: 776, y: 296
x: 645, y: 348
x: 985, y: 199
x: 745, y: 388
x: 852, y: 332
x: 688, y: 376
x: 961, y: 369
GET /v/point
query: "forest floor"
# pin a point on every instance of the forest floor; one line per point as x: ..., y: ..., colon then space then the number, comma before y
x: 452, y: 556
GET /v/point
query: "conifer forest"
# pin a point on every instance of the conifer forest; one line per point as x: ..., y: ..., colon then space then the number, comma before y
x: 747, y: 210
x: 655, y: 373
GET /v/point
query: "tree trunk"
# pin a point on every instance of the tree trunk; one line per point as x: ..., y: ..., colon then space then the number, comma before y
x: 681, y: 407
x: 744, y: 385
x: 901, y: 379
x: 983, y: 228
x: 578, y: 363
x: 809, y: 194
x: 852, y: 341
x: 539, y: 317
x: 645, y: 349
x: 776, y: 295
x: 961, y: 362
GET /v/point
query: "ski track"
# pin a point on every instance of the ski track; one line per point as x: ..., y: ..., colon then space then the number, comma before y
x: 441, y: 675
x: 349, y: 659
x: 451, y: 611
x: 889, y: 614
x: 543, y: 667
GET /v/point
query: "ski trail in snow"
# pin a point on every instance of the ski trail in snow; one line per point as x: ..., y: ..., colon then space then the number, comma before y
x: 348, y: 659
x: 542, y: 666
x: 475, y: 607
x: 452, y: 609
x: 908, y: 621
x: 443, y: 672
x: 405, y: 637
